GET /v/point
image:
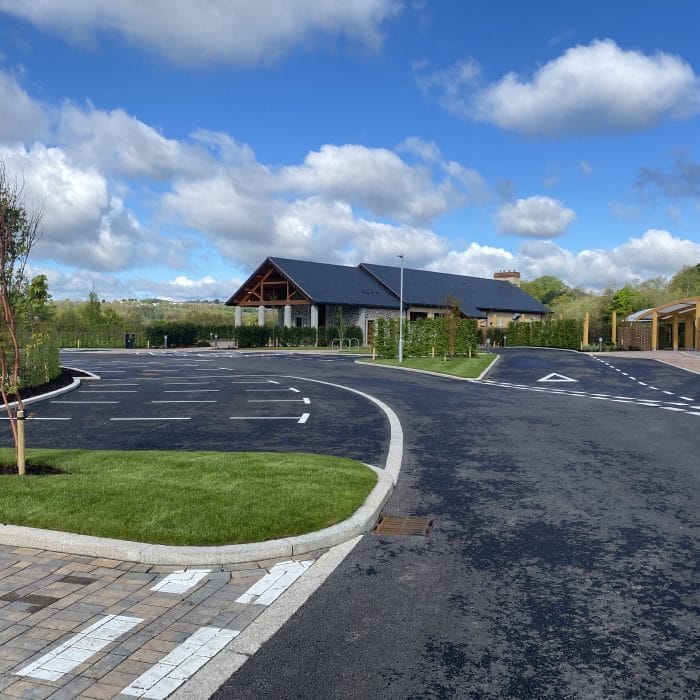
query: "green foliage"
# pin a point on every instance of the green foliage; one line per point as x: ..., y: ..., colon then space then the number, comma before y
x: 451, y: 336
x: 686, y: 282
x: 552, y: 333
x: 546, y: 289
x: 40, y: 361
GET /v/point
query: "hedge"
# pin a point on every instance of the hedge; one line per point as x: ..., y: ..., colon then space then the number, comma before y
x: 554, y: 333
x: 422, y: 337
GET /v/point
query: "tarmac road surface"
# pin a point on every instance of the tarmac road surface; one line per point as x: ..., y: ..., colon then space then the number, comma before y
x: 562, y: 560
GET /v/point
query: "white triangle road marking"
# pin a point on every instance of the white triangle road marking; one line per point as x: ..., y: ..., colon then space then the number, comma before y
x: 554, y: 377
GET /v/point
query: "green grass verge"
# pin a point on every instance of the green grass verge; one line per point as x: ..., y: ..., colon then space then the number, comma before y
x: 183, y: 498
x: 456, y: 367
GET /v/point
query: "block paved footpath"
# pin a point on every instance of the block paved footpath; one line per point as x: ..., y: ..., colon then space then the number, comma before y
x: 82, y: 627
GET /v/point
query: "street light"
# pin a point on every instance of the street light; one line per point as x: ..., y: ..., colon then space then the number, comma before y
x: 401, y: 313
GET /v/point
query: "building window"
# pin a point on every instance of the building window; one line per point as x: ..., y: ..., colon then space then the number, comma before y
x: 298, y: 321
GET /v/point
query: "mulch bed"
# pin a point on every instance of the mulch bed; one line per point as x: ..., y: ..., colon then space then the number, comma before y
x: 30, y: 470
x: 64, y: 379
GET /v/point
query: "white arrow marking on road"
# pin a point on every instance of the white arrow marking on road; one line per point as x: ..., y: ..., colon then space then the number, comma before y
x: 555, y: 377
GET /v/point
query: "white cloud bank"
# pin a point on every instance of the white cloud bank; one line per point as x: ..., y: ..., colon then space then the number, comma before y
x: 237, y: 32
x: 657, y: 253
x: 598, y: 88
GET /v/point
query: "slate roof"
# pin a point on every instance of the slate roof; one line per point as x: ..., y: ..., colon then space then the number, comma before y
x: 378, y: 286
x: 336, y: 284
x: 476, y: 294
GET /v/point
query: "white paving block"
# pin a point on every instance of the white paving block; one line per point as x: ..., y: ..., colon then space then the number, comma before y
x: 181, y: 581
x: 79, y: 648
x: 276, y: 582
x: 181, y: 663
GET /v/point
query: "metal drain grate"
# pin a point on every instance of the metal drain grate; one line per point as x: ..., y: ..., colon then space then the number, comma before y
x: 403, y: 525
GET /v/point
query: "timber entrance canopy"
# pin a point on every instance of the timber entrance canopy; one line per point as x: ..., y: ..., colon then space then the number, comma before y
x: 684, y: 317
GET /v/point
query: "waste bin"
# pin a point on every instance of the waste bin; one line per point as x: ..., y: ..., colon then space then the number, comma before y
x: 130, y: 341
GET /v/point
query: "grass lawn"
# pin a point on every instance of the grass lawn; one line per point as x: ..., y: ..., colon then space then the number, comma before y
x: 457, y: 366
x: 183, y: 498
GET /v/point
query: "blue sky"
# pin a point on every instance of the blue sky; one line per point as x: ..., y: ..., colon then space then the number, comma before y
x: 174, y: 145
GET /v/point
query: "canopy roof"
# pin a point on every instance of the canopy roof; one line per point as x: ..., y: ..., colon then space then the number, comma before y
x: 669, y: 309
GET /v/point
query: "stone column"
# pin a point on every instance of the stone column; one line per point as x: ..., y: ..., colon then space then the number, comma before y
x: 697, y: 325
x: 287, y: 316
x: 654, y: 331
x: 261, y: 316
x: 314, y: 315
x: 237, y: 316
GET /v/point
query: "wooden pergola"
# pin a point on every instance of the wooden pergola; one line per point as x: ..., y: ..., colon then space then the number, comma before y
x: 686, y: 311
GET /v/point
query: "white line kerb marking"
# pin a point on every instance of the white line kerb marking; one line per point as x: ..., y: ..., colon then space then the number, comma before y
x: 181, y: 581
x: 273, y: 584
x: 80, y: 647
x: 181, y: 663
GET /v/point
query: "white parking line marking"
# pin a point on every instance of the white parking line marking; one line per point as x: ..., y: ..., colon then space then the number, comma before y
x: 296, y: 391
x: 181, y: 663
x: 653, y: 387
x: 107, y: 391
x: 74, y: 651
x: 186, y: 401
x: 642, y: 383
x: 254, y: 381
x: 304, y: 417
x: 296, y: 418
x: 686, y: 398
x: 125, y: 419
x: 35, y: 418
x: 56, y: 401
x: 185, y: 383
x: 271, y: 390
x: 189, y: 391
x: 279, y: 401
x: 671, y: 408
x: 272, y: 585
x: 181, y: 581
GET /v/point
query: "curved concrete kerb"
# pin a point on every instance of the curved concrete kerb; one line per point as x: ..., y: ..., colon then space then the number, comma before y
x: 359, y: 523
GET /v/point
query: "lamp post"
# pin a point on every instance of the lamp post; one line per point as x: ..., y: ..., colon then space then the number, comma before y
x: 401, y: 313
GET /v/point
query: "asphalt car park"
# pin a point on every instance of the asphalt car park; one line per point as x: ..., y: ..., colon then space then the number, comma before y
x: 218, y: 401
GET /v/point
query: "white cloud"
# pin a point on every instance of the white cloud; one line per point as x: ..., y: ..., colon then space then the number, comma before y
x: 211, y: 31
x: 657, y: 253
x: 21, y: 117
x: 83, y: 222
x: 586, y: 168
x: 599, y: 88
x: 374, y: 178
x: 535, y: 217
x: 425, y: 150
x: 118, y: 143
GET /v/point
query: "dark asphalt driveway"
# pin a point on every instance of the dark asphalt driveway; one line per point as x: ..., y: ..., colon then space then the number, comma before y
x: 562, y: 562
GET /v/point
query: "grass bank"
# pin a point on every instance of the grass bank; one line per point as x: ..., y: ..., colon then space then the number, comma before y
x: 457, y: 367
x: 183, y: 498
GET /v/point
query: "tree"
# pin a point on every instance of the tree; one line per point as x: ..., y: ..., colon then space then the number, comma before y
x: 546, y: 288
x: 686, y: 282
x: 19, y: 230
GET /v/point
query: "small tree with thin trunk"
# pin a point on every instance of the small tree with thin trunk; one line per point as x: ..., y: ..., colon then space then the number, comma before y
x: 19, y: 230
